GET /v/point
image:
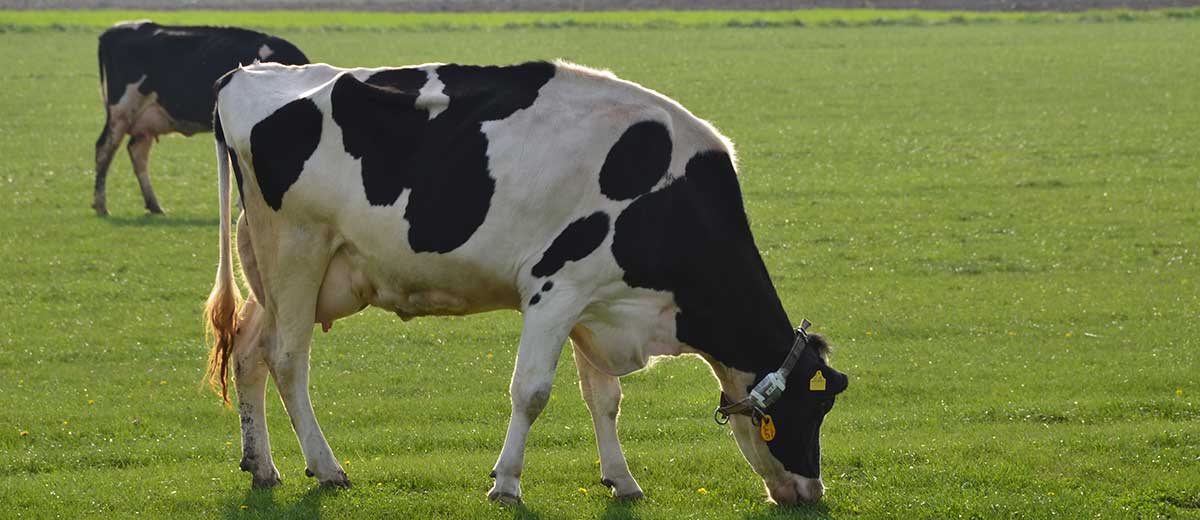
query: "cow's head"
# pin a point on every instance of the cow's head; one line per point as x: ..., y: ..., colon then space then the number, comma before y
x: 789, y: 457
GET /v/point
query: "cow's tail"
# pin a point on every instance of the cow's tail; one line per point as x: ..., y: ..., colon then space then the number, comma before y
x: 220, y: 312
x: 100, y: 55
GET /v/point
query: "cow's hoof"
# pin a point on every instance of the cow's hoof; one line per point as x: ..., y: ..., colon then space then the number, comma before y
x: 636, y: 494
x: 504, y: 499
x: 155, y: 210
x: 265, y: 483
x: 338, y: 482
x: 101, y: 211
x: 309, y: 473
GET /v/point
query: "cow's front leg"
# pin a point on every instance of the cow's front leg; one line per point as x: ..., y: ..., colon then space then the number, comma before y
x: 602, y: 393
x: 250, y: 378
x: 542, y: 338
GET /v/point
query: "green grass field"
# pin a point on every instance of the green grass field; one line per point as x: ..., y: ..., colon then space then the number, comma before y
x: 997, y: 225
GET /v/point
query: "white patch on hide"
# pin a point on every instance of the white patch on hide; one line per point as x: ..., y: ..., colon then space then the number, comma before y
x: 431, y: 96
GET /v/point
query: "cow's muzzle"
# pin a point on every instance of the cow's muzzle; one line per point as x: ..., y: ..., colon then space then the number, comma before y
x: 795, y: 489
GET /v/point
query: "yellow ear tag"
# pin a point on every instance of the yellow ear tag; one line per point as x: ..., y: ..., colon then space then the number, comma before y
x: 817, y: 383
x: 766, y: 428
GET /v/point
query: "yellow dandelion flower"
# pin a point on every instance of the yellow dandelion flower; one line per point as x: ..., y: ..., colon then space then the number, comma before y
x: 243, y: 507
x: 1050, y: 493
x: 869, y: 333
x: 65, y: 423
x: 379, y: 484
x: 489, y: 355
x: 91, y: 402
x: 702, y: 491
x: 583, y: 490
x: 163, y: 382
x: 1069, y: 334
x: 1179, y: 392
x: 1012, y: 333
x: 24, y: 433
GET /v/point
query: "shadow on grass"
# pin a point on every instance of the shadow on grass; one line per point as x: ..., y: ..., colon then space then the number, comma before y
x: 521, y: 512
x: 616, y: 510
x: 260, y: 503
x: 148, y: 220
x: 818, y: 510
x: 621, y: 509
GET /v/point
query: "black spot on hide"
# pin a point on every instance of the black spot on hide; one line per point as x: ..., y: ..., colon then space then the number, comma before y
x: 442, y: 161
x: 637, y: 161
x: 237, y: 172
x: 403, y: 80
x: 280, y: 144
x: 575, y: 243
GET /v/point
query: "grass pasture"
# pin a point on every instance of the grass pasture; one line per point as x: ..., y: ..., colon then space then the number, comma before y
x: 997, y: 224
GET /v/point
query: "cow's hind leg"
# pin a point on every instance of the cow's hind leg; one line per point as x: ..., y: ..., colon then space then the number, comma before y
x: 250, y: 378
x: 106, y: 148
x: 294, y: 294
x: 139, y: 153
x: 602, y: 393
x: 542, y: 336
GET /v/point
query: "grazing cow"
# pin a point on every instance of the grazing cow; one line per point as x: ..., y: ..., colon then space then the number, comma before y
x: 605, y: 212
x: 157, y: 79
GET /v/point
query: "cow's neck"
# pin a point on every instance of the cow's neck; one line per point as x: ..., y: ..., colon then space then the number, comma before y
x: 692, y: 238
x: 747, y: 329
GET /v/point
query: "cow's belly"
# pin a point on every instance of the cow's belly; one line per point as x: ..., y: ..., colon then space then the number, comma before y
x: 620, y: 335
x: 408, y: 285
x: 151, y: 121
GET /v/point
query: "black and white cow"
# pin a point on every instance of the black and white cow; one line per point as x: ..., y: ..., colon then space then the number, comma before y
x: 157, y: 79
x: 605, y: 212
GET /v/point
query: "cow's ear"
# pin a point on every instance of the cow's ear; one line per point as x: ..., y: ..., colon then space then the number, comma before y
x: 815, y: 379
x: 835, y: 382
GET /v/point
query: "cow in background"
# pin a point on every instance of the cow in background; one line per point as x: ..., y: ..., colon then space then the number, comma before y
x: 157, y: 79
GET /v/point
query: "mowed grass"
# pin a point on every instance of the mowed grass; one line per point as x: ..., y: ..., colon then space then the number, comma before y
x: 997, y: 225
